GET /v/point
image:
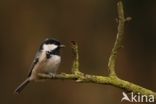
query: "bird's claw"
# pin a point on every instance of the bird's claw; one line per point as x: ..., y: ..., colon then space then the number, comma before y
x: 49, y: 75
x: 52, y: 75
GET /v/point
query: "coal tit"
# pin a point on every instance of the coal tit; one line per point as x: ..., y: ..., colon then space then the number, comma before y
x: 46, y: 61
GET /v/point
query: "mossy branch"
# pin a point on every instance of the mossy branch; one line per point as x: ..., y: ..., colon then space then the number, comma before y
x: 75, y: 67
x: 112, y: 79
x: 119, y: 39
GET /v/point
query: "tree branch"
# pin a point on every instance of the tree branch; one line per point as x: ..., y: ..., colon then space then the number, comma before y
x: 86, y: 78
x: 75, y: 67
x: 119, y: 39
x: 112, y: 79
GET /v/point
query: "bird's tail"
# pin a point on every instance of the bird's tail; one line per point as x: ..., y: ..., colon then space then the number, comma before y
x: 22, y: 86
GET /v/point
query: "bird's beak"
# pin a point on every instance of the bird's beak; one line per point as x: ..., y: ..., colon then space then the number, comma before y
x: 62, y: 46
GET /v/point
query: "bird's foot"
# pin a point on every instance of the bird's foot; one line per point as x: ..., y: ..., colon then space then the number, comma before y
x: 46, y: 76
x: 52, y: 75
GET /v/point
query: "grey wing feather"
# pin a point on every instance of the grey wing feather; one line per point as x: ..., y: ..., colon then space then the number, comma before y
x: 36, y: 59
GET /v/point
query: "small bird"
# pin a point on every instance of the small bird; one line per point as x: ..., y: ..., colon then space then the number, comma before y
x: 46, y: 61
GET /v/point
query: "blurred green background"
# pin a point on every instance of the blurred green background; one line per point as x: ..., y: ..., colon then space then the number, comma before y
x: 24, y: 24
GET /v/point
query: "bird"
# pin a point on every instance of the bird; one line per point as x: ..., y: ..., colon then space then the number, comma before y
x: 46, y: 61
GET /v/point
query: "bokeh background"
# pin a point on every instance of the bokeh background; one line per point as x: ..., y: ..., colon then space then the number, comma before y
x: 24, y: 24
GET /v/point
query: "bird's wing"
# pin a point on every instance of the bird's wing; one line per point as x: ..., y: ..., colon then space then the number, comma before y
x: 36, y: 59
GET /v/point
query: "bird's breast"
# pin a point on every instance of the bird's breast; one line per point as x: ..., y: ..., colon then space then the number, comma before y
x: 46, y: 66
x: 52, y: 64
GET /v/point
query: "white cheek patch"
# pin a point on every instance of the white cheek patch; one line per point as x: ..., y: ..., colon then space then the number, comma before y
x: 49, y: 47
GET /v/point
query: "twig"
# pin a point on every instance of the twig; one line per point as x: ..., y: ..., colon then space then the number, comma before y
x: 75, y: 67
x: 118, y: 42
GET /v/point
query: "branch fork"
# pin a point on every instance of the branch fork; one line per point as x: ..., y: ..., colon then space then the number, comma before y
x: 112, y: 78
